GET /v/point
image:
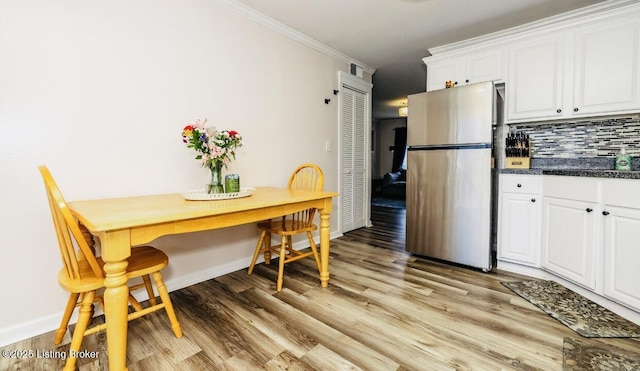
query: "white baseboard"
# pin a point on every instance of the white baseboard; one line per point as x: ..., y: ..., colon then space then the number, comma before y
x: 39, y: 326
x: 523, y: 269
x: 25, y: 330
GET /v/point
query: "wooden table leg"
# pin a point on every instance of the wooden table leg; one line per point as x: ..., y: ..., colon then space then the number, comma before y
x: 116, y: 249
x: 325, y: 214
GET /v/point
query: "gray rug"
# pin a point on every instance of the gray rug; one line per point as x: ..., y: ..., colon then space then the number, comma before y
x: 573, y: 310
x: 579, y: 355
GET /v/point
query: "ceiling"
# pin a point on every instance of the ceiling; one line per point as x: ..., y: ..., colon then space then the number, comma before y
x: 392, y: 36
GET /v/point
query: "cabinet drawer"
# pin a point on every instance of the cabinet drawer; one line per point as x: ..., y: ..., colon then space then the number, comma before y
x: 520, y: 183
x: 621, y: 192
x: 573, y: 188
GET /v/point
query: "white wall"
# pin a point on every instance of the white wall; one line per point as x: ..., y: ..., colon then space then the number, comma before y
x: 100, y: 92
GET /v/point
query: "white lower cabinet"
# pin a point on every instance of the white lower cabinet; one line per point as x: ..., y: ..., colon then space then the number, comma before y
x: 570, y: 229
x: 621, y: 220
x: 586, y: 231
x: 569, y: 240
x: 520, y: 204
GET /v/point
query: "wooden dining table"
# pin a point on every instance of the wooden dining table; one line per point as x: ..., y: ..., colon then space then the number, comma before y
x: 123, y: 223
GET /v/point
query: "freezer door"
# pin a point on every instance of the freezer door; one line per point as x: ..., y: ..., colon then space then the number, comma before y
x: 451, y: 116
x: 449, y: 205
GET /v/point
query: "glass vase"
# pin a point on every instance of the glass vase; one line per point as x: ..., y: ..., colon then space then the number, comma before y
x: 215, y: 185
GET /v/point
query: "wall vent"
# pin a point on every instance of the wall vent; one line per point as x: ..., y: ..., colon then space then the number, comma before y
x: 355, y: 70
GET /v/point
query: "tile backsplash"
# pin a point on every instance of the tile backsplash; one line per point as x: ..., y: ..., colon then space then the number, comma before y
x: 590, y: 138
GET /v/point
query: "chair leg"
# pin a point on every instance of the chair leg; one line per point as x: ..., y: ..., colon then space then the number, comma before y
x: 257, y: 252
x: 81, y: 326
x: 147, y: 284
x: 290, y: 244
x: 283, y: 255
x: 314, y: 248
x: 168, y: 306
x: 68, y: 311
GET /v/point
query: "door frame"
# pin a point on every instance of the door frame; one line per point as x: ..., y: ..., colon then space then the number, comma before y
x: 355, y: 83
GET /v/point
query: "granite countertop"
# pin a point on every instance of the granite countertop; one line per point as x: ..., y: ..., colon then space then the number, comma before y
x: 584, y: 167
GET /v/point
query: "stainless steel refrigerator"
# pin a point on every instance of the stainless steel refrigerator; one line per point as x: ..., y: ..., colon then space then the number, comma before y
x: 449, y: 174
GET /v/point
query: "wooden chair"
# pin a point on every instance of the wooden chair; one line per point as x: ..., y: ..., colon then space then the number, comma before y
x: 308, y: 177
x: 82, y: 274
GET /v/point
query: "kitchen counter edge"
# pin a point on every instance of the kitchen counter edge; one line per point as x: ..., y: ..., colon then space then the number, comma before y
x: 618, y: 174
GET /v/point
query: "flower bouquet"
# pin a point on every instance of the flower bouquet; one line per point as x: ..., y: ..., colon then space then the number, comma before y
x: 215, y: 148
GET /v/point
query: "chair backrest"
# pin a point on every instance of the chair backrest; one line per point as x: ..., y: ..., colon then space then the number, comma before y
x: 68, y: 232
x: 306, y: 177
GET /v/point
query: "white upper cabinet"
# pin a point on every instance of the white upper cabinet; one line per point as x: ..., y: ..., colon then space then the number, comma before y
x: 470, y: 68
x: 578, y: 64
x: 442, y: 70
x: 585, y: 71
x: 484, y: 65
x: 606, y: 64
x: 534, y: 84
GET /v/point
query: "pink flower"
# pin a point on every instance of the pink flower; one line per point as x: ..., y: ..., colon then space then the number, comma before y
x: 199, y: 124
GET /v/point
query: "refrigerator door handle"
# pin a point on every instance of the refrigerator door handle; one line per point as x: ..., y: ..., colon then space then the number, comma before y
x: 433, y: 147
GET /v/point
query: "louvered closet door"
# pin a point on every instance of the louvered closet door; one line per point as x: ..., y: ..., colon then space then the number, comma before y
x: 353, y: 192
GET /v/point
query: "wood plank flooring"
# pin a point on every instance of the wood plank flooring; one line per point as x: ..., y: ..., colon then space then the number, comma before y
x: 383, y: 310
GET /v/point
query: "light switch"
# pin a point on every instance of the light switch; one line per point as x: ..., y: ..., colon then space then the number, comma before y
x: 327, y: 146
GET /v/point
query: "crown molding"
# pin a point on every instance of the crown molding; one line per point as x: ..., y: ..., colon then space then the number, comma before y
x: 560, y: 21
x: 290, y: 32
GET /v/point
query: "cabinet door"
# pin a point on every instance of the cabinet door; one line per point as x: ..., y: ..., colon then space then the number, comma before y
x: 622, y: 255
x: 442, y: 70
x: 569, y: 240
x: 534, y: 86
x: 483, y: 66
x: 519, y: 235
x: 606, y: 59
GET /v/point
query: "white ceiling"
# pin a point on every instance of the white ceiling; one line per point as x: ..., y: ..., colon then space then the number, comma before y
x: 393, y: 36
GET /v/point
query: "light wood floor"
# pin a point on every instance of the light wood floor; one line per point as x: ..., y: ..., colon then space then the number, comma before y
x: 383, y: 310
